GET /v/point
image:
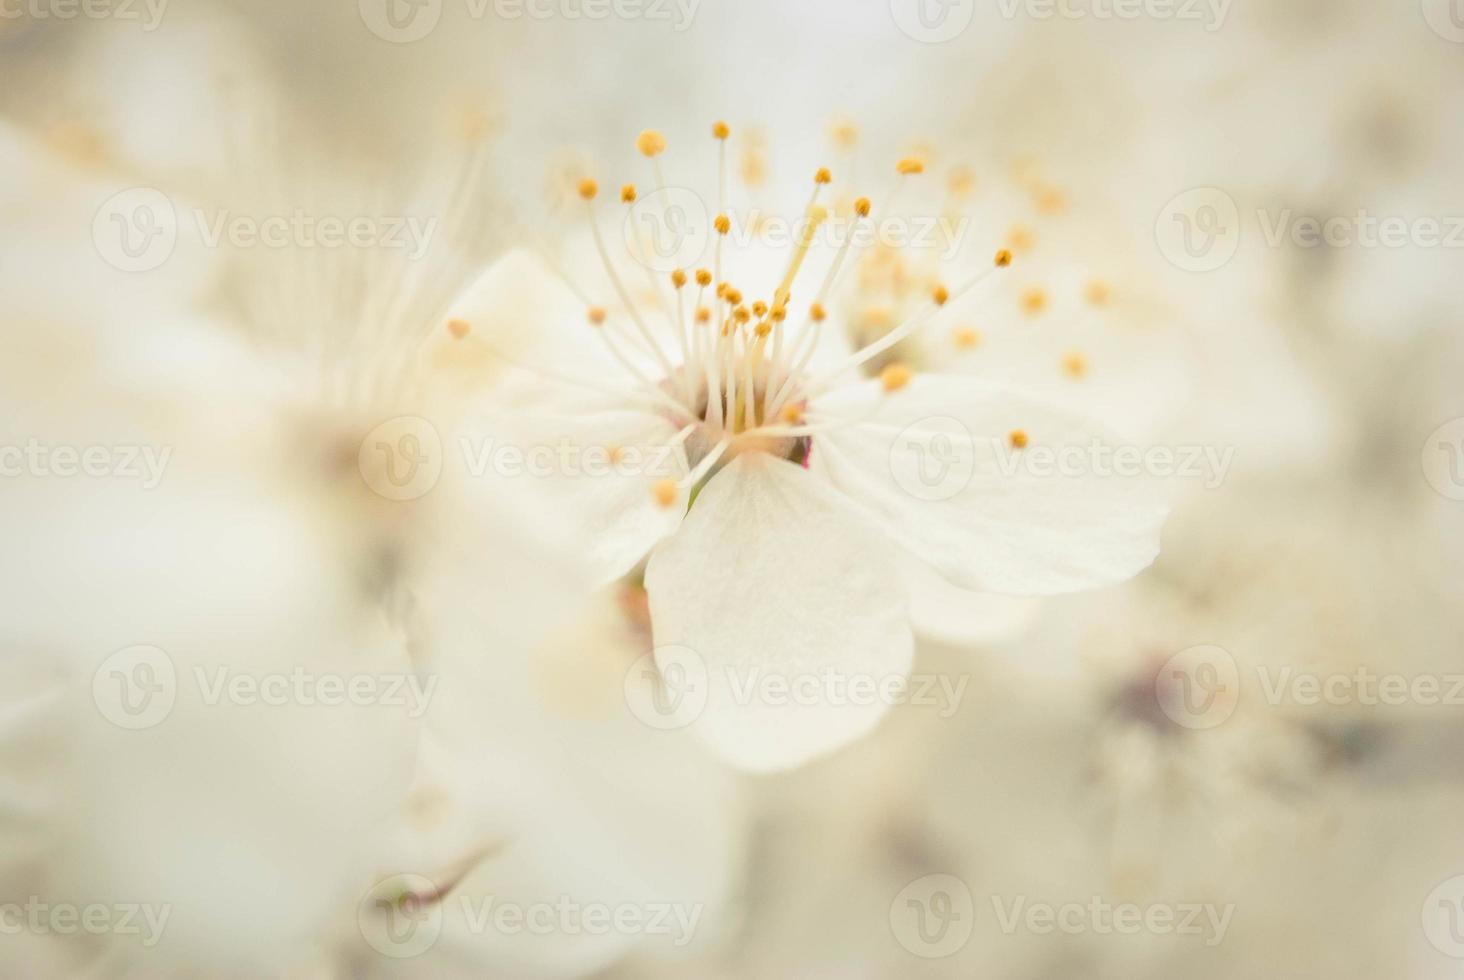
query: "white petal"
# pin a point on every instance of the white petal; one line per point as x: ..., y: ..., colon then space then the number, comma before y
x: 774, y: 579
x: 608, y: 509
x: 949, y: 614
x: 933, y: 463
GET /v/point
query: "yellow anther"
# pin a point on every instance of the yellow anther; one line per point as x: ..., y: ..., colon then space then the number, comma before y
x: 910, y: 165
x: 1003, y: 258
x: 627, y: 193
x: 741, y: 314
x: 962, y: 182
x: 1050, y: 200
x: 458, y: 328
x: 703, y: 315
x: 650, y: 142
x: 665, y: 491
x: 678, y: 278
x: 764, y: 328
x: 779, y: 314
x: 1098, y: 292
x: 723, y: 224
x: 722, y: 288
x: 895, y: 376
x: 861, y: 207
x: 720, y: 130
x: 792, y: 414
x: 703, y: 278
x: 596, y: 315
x: 1075, y: 365
x: 845, y: 134
x: 734, y: 296
x: 615, y: 453
x: 760, y: 309
x: 816, y: 313
x: 588, y: 189
x: 940, y: 294
x: 822, y: 176
x: 1034, y: 300
x: 1017, y: 438
x: 1019, y: 237
x: 966, y: 338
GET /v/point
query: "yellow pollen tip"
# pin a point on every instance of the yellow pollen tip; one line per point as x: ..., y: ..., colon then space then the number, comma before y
x: 817, y: 312
x: 895, y: 376
x: 1098, y: 292
x: 665, y: 491
x: 1020, y: 237
x: 650, y: 142
x: 627, y: 193
x: 910, y: 165
x: 1034, y: 300
x: 678, y: 278
x: 588, y: 189
x: 1003, y: 258
x: 703, y: 315
x: 458, y: 328
x: 703, y: 278
x: 741, y: 314
x: 822, y: 176
x: 720, y: 130
x: 615, y: 453
x: 940, y: 294
x: 966, y: 338
x: 792, y: 414
x: 764, y: 328
x: 760, y: 309
x: 596, y: 315
x: 861, y: 207
x: 1017, y: 438
x: 962, y: 182
x: 734, y: 296
x: 779, y: 314
x: 1074, y: 364
x: 723, y: 224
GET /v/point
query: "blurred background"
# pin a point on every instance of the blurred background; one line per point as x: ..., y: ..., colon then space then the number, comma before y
x: 1248, y: 761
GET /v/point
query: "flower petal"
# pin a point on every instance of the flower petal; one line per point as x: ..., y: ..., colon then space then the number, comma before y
x: 786, y: 600
x: 947, y: 613
x: 936, y: 463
